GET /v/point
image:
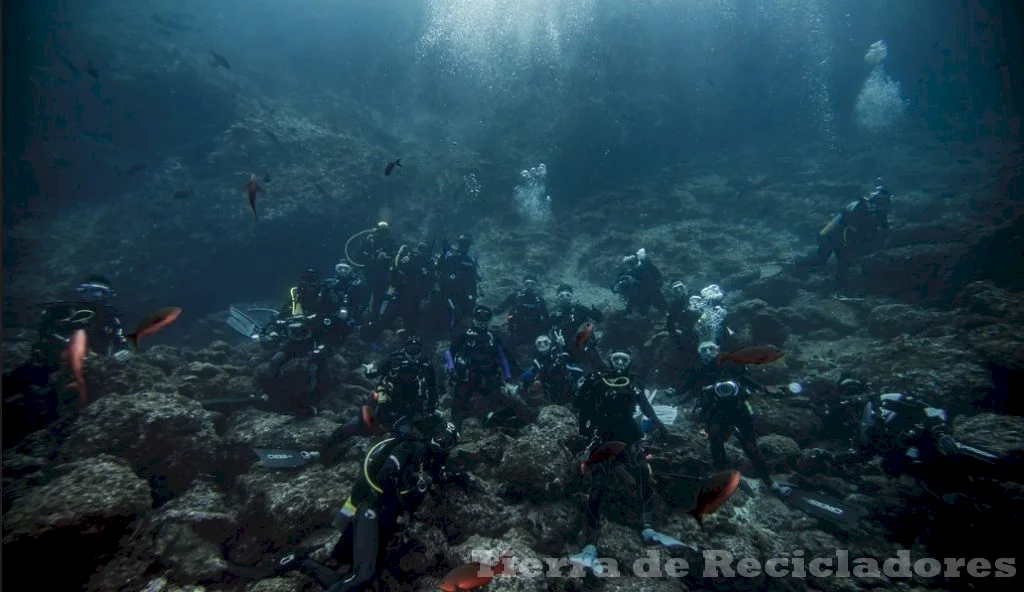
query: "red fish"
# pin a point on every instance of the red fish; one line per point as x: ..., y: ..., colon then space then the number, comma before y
x: 153, y: 323
x: 253, y: 189
x: 754, y: 355
x: 370, y: 421
x: 475, y: 574
x: 604, y: 453
x: 77, y: 349
x: 391, y: 166
x: 715, y: 491
x: 584, y: 334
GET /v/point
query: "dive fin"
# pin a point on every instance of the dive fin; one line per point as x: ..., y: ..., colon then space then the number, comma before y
x: 823, y: 506
x: 240, y: 322
x: 587, y: 558
x: 273, y: 458
x: 651, y: 536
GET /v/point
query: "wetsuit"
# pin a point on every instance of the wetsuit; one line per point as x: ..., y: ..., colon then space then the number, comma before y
x: 397, y: 474
x: 478, y: 368
x: 412, y: 280
x: 30, y: 401
x: 606, y: 402
x: 458, y: 280
x: 377, y: 252
x: 724, y: 409
x: 527, y: 317
x: 566, y: 321
x: 640, y: 285
x: 555, y: 374
x: 406, y: 394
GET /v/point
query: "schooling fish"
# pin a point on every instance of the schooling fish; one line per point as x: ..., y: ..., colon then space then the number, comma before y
x: 475, y: 574
x: 604, y: 453
x: 77, y: 349
x: 252, y: 189
x: 754, y: 355
x: 715, y: 491
x: 153, y: 323
x: 584, y: 334
x: 391, y: 166
x: 92, y: 70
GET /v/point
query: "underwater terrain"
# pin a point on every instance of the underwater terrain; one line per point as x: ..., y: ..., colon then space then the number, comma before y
x: 138, y: 129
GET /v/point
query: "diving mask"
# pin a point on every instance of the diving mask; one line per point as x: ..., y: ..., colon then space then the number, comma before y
x: 708, y: 351
x: 620, y: 361
x: 543, y: 344
x: 565, y: 296
x: 96, y: 291
x: 342, y: 270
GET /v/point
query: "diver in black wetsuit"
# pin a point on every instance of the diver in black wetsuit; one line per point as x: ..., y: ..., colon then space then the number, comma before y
x: 406, y: 393
x: 859, y: 228
x: 478, y: 370
x: 458, y: 280
x: 723, y: 409
x: 606, y: 402
x: 639, y: 284
x: 551, y: 373
x: 316, y: 322
x: 30, y: 401
x: 397, y: 475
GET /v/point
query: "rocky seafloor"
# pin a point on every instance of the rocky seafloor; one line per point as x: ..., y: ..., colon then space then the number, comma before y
x: 147, y: 490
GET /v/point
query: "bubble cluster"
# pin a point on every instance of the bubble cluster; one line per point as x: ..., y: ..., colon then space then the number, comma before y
x: 472, y: 186
x: 532, y: 199
x: 880, y: 104
x: 712, y: 315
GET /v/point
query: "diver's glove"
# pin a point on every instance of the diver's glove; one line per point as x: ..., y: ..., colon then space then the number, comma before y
x: 588, y: 559
x: 653, y: 537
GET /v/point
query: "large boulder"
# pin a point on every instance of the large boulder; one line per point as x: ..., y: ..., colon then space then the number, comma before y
x: 522, y: 477
x: 80, y: 517
x: 166, y: 438
x: 921, y: 273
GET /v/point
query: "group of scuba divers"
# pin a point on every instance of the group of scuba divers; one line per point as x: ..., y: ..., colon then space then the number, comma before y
x: 384, y: 281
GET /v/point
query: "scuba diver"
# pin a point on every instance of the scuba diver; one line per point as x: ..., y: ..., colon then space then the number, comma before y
x: 478, y: 370
x: 551, y: 374
x: 862, y: 226
x: 723, y: 408
x: 946, y: 478
x: 316, y: 324
x: 701, y: 334
x: 606, y: 402
x: 458, y: 280
x: 527, y: 314
x: 412, y: 282
x: 397, y: 475
x: 567, y: 321
x: 31, y: 402
x: 406, y: 393
x: 639, y: 284
x: 348, y: 289
x: 377, y: 250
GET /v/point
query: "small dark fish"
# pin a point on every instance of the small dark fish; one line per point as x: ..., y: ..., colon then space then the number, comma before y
x: 252, y: 189
x: 92, y: 70
x: 153, y: 323
x: 170, y: 24
x: 182, y: 193
x: 135, y: 168
x: 391, y: 166
x: 470, y: 576
x: 715, y: 491
x: 754, y: 355
x: 219, y: 60
x: 266, y: 178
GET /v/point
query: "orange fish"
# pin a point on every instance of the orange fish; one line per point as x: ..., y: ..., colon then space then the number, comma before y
x: 77, y: 348
x: 584, y: 334
x: 604, y: 453
x: 253, y: 189
x: 153, y: 323
x: 715, y: 491
x: 757, y: 354
x: 370, y: 421
x: 473, y: 575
